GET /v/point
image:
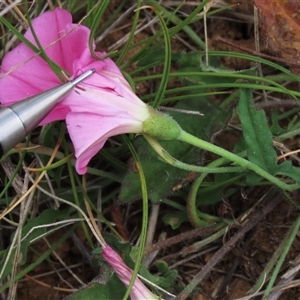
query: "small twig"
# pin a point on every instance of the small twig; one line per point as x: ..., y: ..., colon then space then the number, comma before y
x: 25, y: 278
x: 50, y: 286
x: 179, y: 238
x: 152, y: 223
x: 273, y: 104
x: 118, y: 220
x: 191, y: 257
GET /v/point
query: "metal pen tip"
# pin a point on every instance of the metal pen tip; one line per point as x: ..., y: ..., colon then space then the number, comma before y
x: 83, y: 76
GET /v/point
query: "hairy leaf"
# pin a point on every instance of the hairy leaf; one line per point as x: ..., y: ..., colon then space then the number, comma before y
x: 113, y: 289
x: 259, y: 143
x: 175, y: 219
x: 257, y: 134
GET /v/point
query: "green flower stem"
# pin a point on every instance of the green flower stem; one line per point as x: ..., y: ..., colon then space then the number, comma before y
x: 144, y: 225
x: 196, y: 217
x: 192, y: 211
x: 168, y: 158
x: 188, y: 138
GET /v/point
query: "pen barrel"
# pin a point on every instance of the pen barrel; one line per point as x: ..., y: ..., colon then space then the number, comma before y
x: 17, y: 120
x: 12, y: 130
x: 33, y: 110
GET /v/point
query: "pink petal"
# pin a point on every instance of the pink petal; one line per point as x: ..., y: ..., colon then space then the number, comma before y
x: 138, y: 291
x: 28, y: 78
x: 89, y: 137
x: 97, y: 115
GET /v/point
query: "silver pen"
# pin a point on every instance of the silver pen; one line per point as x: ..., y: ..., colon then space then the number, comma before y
x: 18, y: 119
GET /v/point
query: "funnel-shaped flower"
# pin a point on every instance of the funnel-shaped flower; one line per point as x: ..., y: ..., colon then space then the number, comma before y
x: 138, y: 291
x: 103, y: 105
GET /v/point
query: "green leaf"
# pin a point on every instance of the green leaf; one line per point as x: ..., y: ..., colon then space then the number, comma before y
x: 209, y: 197
x: 175, y: 219
x: 276, y: 128
x: 256, y: 134
x: 113, y: 289
x: 258, y: 139
x: 169, y: 275
x: 287, y: 169
x: 165, y: 271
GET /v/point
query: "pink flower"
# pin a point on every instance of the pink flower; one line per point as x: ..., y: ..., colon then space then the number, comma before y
x: 138, y: 291
x: 102, y: 106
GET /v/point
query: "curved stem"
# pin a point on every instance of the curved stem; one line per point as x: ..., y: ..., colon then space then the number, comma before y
x: 168, y: 158
x: 188, y: 138
x: 192, y: 210
x: 144, y: 225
